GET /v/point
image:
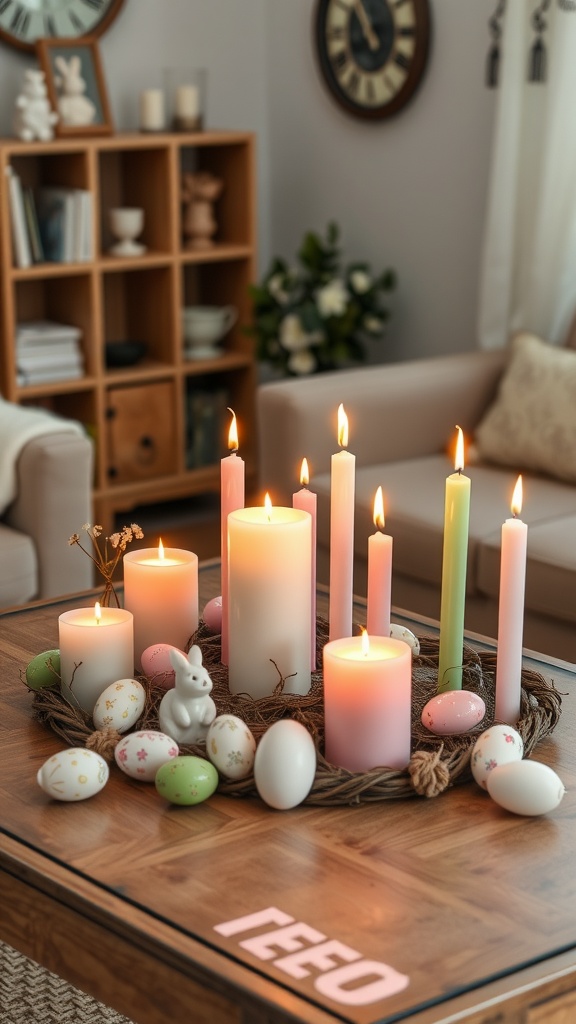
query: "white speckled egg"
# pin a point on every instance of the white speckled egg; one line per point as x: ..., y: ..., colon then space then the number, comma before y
x: 399, y: 632
x: 141, y: 754
x: 212, y: 615
x: 157, y: 666
x: 452, y: 712
x: 73, y: 774
x: 120, y: 705
x: 231, y: 746
x: 495, y: 746
x: 285, y: 764
x: 525, y: 787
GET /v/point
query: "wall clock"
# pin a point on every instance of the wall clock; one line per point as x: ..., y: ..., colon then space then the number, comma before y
x: 372, y: 53
x: 22, y: 22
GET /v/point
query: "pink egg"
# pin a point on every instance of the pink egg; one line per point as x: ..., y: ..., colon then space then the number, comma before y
x: 157, y: 666
x: 453, y: 711
x: 212, y: 615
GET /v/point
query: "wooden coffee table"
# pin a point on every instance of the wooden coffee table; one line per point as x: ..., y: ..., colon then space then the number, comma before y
x: 424, y: 910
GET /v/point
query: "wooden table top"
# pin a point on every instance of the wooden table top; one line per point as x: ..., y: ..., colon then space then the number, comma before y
x: 453, y: 893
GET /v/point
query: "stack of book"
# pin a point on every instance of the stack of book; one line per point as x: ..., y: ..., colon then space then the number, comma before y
x: 47, y: 351
x: 50, y: 223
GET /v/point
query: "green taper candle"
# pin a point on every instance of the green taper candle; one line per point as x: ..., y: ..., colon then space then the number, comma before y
x: 454, y: 559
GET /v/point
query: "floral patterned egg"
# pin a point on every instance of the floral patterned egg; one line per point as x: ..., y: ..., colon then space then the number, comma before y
x: 231, y: 746
x: 120, y: 705
x: 498, y: 745
x: 141, y: 754
x: 73, y: 774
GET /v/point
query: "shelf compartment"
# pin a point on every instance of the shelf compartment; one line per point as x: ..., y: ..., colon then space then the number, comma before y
x: 138, y: 305
x: 137, y: 177
x: 66, y: 169
x: 66, y: 299
x: 205, y: 284
x: 141, y: 432
x: 234, y: 208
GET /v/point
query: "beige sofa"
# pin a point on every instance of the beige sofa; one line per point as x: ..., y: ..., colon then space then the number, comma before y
x: 402, y: 419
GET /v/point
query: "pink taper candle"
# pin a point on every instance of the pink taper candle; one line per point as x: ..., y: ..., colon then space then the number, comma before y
x: 379, y: 574
x: 231, y: 498
x: 342, y: 486
x: 306, y: 501
x: 511, y: 613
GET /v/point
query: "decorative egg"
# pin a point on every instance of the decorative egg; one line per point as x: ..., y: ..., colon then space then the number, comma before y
x: 495, y: 746
x: 141, y: 754
x: 73, y: 774
x: 452, y: 712
x: 186, y: 780
x: 285, y: 764
x: 120, y: 705
x: 525, y: 787
x: 231, y: 746
x: 399, y: 632
x: 212, y: 615
x: 157, y: 666
x: 43, y: 672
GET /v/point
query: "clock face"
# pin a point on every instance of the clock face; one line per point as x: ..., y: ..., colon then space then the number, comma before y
x: 22, y: 22
x: 372, y: 53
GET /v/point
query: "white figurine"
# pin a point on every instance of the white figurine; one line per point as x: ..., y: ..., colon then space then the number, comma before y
x: 186, y: 711
x: 33, y: 116
x: 74, y: 108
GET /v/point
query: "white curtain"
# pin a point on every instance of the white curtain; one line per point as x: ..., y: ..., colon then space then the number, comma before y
x: 528, y: 274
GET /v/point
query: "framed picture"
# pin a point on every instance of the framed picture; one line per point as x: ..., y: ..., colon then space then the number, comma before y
x: 76, y: 87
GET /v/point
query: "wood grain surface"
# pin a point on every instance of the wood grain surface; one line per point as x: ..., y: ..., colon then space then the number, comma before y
x: 123, y: 893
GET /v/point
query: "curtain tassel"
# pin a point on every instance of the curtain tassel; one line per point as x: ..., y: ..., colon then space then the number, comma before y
x: 537, y: 70
x: 493, y: 67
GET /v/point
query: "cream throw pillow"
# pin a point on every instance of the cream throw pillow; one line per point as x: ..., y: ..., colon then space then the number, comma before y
x: 532, y: 422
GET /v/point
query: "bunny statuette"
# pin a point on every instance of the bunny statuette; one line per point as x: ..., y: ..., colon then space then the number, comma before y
x: 74, y: 108
x: 187, y: 710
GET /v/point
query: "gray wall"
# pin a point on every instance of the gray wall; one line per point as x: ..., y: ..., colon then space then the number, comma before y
x: 408, y: 193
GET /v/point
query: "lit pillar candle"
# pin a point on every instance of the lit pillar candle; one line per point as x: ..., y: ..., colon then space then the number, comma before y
x: 161, y: 591
x: 96, y: 649
x: 367, y: 702
x: 511, y: 613
x: 454, y: 560
x: 379, y: 574
x: 269, y: 597
x: 342, y: 486
x: 232, y: 486
x: 307, y: 501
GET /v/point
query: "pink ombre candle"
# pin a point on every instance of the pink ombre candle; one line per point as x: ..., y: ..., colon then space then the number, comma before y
x: 379, y: 574
x: 342, y: 487
x: 511, y: 613
x: 232, y: 485
x: 306, y: 501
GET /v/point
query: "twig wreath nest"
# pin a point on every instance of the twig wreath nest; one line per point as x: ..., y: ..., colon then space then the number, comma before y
x: 436, y: 761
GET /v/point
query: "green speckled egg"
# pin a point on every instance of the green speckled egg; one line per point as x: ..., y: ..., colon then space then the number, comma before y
x: 40, y: 675
x: 186, y: 780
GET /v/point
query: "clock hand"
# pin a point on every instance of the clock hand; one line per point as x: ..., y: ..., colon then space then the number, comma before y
x: 369, y: 33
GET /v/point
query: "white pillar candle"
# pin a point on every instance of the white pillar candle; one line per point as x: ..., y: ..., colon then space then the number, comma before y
x: 511, y: 613
x: 187, y: 101
x: 152, y: 113
x: 342, y: 487
x: 379, y: 574
x: 367, y: 695
x: 269, y: 598
x: 161, y: 590
x: 96, y: 649
x: 454, y: 561
x: 232, y: 495
x: 307, y: 501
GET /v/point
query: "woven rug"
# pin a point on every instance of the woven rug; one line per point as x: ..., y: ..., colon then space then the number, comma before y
x: 29, y: 994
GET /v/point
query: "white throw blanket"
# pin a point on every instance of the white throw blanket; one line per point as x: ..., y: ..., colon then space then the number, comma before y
x: 18, y: 425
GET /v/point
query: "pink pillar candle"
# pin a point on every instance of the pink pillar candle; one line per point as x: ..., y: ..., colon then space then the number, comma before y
x: 511, y: 613
x: 161, y: 590
x: 342, y: 489
x: 96, y: 649
x: 367, y: 695
x: 306, y: 501
x: 379, y: 574
x: 232, y: 488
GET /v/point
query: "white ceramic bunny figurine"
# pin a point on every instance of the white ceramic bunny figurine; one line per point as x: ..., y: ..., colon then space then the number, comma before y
x: 187, y: 710
x: 74, y: 108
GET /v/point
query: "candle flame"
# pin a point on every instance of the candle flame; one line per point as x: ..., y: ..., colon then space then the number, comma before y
x: 268, y: 505
x: 459, y: 460
x: 342, y: 427
x: 379, y: 509
x: 304, y: 474
x: 365, y: 642
x: 160, y: 550
x: 233, y: 433
x: 97, y: 612
x: 516, y: 503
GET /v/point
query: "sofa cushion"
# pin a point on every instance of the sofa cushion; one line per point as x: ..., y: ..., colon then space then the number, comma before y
x: 19, y: 575
x: 532, y: 422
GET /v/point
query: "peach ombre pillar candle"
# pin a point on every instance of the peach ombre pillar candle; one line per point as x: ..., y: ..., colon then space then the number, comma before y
x: 307, y: 501
x: 342, y: 487
x: 367, y: 709
x: 379, y: 574
x: 269, y: 593
x: 161, y: 591
x: 511, y: 613
x: 454, y: 561
x: 232, y: 486
x: 96, y: 649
